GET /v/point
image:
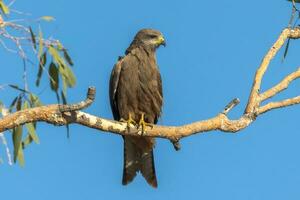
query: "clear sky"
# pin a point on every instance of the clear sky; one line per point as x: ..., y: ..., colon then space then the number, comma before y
x: 213, y: 49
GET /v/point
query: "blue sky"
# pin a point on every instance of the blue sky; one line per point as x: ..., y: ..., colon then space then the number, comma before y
x: 213, y: 49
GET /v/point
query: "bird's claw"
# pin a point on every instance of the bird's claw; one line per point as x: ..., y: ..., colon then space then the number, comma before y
x: 143, y: 124
x: 129, y: 121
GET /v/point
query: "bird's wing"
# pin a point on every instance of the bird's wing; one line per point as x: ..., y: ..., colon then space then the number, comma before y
x: 113, y: 86
x: 160, y: 91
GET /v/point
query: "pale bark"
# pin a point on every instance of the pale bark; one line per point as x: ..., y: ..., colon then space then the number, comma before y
x: 68, y: 114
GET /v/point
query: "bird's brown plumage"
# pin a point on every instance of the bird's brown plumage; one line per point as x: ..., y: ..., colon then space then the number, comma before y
x: 136, y: 89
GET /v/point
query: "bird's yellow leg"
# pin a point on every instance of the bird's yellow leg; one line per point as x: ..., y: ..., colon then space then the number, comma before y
x: 143, y: 124
x: 128, y: 121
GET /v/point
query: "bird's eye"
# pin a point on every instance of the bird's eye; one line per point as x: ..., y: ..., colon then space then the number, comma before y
x: 152, y: 36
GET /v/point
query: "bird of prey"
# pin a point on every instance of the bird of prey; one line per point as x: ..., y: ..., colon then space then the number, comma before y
x: 136, y: 97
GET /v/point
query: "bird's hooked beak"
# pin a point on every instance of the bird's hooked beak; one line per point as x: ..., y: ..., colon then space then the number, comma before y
x: 161, y: 41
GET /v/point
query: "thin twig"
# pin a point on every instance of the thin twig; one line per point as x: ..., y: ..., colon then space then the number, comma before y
x: 231, y: 105
x: 8, y: 154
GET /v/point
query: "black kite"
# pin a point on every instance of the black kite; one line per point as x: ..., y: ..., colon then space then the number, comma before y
x: 136, y: 97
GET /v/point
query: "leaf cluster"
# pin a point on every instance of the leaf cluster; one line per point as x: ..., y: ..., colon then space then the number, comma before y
x: 23, y: 101
x: 53, y: 63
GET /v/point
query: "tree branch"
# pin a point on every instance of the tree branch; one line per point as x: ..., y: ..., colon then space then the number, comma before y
x: 58, y: 114
x: 280, y: 86
x: 279, y: 104
x: 254, y: 101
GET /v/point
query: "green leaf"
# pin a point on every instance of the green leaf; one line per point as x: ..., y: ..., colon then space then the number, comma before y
x: 4, y: 8
x: 20, y: 157
x: 19, y: 104
x: 64, y: 84
x: 17, y: 88
x: 41, y: 45
x: 53, y: 72
x: 25, y: 105
x: 55, y: 54
x: 64, y: 98
x: 17, y: 139
x: 32, y: 37
x: 296, y: 1
x: 63, y: 68
x: 28, y: 140
x: 60, y: 47
x: 43, y: 60
x: 13, y: 103
x: 34, y: 100
x: 47, y: 18
x: 68, y: 76
x: 30, y: 127
x: 286, y: 49
x: 57, y: 96
x: 71, y: 80
x: 67, y: 57
x: 32, y: 133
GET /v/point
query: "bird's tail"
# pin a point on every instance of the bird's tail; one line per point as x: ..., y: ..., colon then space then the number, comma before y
x: 138, y: 159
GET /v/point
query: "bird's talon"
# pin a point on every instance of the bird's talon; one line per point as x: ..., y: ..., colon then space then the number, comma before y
x: 129, y: 121
x: 143, y: 124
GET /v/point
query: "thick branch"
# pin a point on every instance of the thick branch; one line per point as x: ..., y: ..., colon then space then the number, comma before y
x: 68, y: 114
x: 53, y: 114
x: 50, y: 113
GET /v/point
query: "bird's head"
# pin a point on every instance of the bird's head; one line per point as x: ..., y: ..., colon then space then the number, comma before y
x: 149, y: 38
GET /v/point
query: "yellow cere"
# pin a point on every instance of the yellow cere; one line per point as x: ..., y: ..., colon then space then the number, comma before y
x: 160, y: 39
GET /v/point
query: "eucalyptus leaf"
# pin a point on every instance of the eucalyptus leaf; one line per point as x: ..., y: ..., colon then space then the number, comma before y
x: 13, y: 103
x: 20, y: 157
x: 54, y: 79
x: 47, y: 18
x: 35, y: 100
x: 56, y: 57
x: 30, y: 127
x: 4, y: 8
x: 64, y: 97
x: 296, y: 1
x: 41, y: 45
x: 32, y: 37
x: 286, y: 49
x: 67, y: 57
x: 43, y: 60
x: 19, y: 103
x: 17, y: 88
x: 17, y: 139
x: 71, y: 80
x: 28, y: 140
x: 31, y: 130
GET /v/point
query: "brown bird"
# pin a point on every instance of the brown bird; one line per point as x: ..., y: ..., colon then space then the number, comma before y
x: 136, y: 97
